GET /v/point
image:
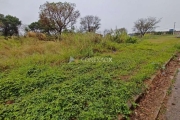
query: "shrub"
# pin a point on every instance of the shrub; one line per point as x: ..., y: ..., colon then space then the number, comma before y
x: 87, y: 52
x: 31, y: 34
x: 116, y: 39
x: 38, y: 35
x: 96, y: 39
x: 41, y: 36
x: 119, y: 36
x: 110, y: 45
x: 158, y: 33
x: 51, y: 38
x: 131, y: 40
x: 177, y: 46
x: 123, y: 38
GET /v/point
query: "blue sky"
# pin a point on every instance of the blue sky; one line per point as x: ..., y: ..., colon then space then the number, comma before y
x: 113, y: 13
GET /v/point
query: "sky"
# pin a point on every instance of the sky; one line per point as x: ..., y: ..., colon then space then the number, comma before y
x: 113, y: 13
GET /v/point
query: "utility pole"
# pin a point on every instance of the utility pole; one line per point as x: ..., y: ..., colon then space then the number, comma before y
x: 174, y: 27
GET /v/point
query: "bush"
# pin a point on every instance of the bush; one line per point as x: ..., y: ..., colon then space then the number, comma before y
x: 41, y: 36
x: 51, y: 37
x: 158, y: 33
x: 31, y: 34
x: 116, y: 39
x: 119, y: 36
x: 38, y: 35
x: 169, y: 32
x: 96, y: 39
x: 131, y: 40
x: 177, y: 46
x: 123, y: 38
x: 110, y: 45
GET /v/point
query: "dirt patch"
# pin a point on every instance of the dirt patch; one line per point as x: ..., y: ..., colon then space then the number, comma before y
x: 10, y: 102
x: 150, y: 103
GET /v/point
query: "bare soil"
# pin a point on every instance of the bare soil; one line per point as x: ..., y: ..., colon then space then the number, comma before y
x: 151, y: 102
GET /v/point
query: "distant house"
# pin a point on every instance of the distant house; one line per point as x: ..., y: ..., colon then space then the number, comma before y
x: 176, y: 32
x: 171, y: 30
x: 165, y: 32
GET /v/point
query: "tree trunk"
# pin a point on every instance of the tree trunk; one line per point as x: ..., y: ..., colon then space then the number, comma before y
x: 5, y: 32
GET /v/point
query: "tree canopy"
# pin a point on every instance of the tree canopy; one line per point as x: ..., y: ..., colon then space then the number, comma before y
x: 35, y: 26
x: 90, y: 23
x: 9, y: 25
x: 56, y: 17
x: 144, y: 25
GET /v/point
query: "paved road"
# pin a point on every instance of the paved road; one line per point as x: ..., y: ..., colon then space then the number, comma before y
x: 173, y: 106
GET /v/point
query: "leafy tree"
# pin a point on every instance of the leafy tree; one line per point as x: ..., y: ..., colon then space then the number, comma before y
x: 144, y: 25
x: 1, y: 23
x: 56, y: 17
x: 1, y: 20
x: 39, y: 27
x: 26, y: 29
x: 35, y: 26
x: 9, y: 25
x: 122, y: 30
x: 90, y: 23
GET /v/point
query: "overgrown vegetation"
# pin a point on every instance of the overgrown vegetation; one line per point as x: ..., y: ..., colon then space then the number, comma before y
x: 38, y: 82
x: 120, y: 36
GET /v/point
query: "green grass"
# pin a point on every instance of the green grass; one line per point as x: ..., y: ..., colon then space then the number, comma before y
x: 36, y: 75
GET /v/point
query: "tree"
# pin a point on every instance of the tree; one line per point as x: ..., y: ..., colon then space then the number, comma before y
x: 56, y: 17
x: 144, y: 25
x: 90, y: 23
x: 122, y: 30
x: 108, y: 32
x: 35, y: 26
x: 1, y: 20
x: 1, y: 23
x: 9, y: 25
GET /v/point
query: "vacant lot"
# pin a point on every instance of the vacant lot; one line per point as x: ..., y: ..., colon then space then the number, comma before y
x: 38, y: 82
